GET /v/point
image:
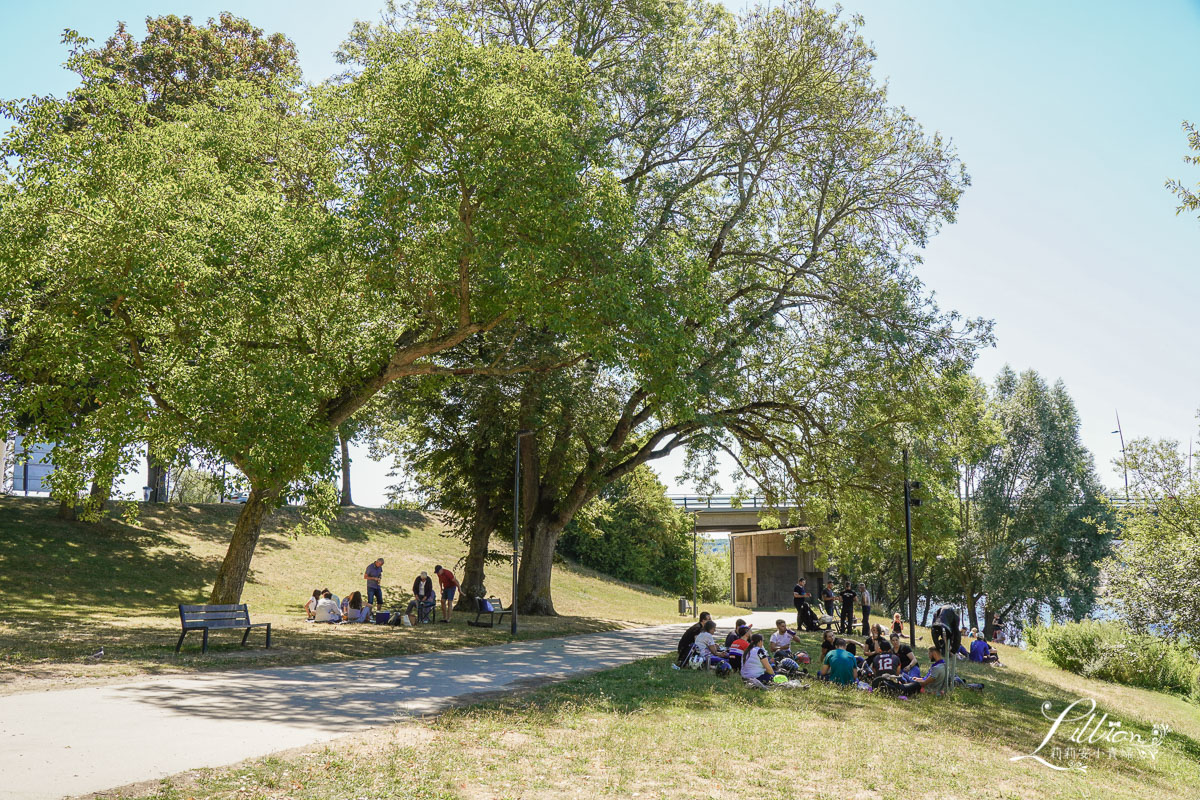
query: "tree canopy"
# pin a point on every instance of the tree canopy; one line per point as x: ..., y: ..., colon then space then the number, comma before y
x: 242, y: 275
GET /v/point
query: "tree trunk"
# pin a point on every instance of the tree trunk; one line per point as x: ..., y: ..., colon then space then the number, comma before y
x: 231, y: 578
x: 537, y: 563
x: 925, y: 614
x: 156, y: 476
x: 346, y: 500
x: 989, y: 622
x: 98, y: 497
x: 66, y: 509
x: 475, y: 565
x: 972, y: 614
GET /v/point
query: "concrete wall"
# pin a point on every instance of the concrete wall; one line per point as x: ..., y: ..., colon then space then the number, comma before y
x: 747, y: 549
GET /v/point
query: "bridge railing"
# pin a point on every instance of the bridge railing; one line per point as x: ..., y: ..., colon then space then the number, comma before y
x: 722, y: 501
x: 727, y: 501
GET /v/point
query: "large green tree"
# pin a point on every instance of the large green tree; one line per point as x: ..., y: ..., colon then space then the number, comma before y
x: 1153, y: 576
x: 243, y: 275
x: 782, y: 200
x: 1029, y: 533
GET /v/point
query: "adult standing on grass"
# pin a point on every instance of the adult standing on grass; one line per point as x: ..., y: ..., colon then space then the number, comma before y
x: 801, y: 597
x: 864, y: 599
x: 848, y: 596
x: 374, y: 574
x: 449, y: 588
x: 827, y: 597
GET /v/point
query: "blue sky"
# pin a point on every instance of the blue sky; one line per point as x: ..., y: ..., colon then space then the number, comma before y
x: 1067, y: 115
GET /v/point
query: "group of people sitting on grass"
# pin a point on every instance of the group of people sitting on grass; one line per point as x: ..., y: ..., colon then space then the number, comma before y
x: 886, y: 663
x: 324, y: 606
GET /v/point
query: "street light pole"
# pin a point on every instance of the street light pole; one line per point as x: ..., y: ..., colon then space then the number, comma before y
x: 912, y: 589
x: 695, y: 603
x: 516, y: 528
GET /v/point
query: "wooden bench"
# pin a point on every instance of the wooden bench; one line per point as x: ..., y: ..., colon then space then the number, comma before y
x: 490, y: 606
x: 206, y: 618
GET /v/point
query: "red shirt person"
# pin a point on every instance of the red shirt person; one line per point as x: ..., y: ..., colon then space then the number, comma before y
x: 449, y: 588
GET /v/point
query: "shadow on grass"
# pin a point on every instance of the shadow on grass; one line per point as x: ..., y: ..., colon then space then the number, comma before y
x: 1007, y: 713
x: 57, y: 569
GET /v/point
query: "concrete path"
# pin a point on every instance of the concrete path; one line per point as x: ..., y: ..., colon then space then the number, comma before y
x: 77, y: 741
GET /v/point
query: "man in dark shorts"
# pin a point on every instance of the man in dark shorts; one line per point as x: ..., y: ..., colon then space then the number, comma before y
x: 373, y: 575
x: 449, y: 589
x: 848, y: 596
x: 801, y: 597
x: 689, y: 638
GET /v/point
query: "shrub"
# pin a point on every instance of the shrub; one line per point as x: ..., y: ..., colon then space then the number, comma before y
x: 1110, y: 651
x: 634, y: 533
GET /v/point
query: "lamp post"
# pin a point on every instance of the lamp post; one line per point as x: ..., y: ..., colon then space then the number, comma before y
x: 909, y: 502
x: 695, y: 603
x: 521, y: 434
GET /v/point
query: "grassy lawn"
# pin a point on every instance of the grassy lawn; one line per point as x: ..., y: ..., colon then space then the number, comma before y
x: 69, y: 589
x: 647, y: 731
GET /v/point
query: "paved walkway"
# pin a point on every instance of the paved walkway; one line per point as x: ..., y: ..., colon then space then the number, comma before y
x: 76, y: 741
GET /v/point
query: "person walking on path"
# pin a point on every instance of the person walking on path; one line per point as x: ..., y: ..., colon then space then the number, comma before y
x: 864, y: 599
x: 374, y: 574
x: 848, y: 597
x: 449, y: 588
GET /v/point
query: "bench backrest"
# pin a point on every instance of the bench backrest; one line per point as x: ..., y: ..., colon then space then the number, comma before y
x: 219, y: 616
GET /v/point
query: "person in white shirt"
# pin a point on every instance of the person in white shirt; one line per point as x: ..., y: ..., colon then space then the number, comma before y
x: 781, y: 640
x: 706, y: 644
x: 327, y: 610
x: 864, y: 600
x: 755, y: 664
x: 310, y: 608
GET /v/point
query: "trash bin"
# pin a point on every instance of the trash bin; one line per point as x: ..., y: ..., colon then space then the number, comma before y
x: 683, y: 606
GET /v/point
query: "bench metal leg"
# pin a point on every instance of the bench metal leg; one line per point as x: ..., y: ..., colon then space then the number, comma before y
x: 245, y: 636
x: 179, y: 644
x: 204, y: 644
x: 268, y: 636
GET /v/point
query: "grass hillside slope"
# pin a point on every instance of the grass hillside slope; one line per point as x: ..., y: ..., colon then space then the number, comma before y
x: 67, y: 589
x: 645, y: 730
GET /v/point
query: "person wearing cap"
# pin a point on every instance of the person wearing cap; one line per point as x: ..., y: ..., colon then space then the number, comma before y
x: 980, y: 649
x: 373, y: 575
x: 738, y: 647
x: 449, y: 588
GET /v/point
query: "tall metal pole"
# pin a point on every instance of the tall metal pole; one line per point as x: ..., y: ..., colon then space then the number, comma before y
x: 695, y: 572
x: 516, y: 533
x: 912, y: 587
x: 1124, y: 464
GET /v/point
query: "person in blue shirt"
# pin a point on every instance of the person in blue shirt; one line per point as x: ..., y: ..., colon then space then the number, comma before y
x: 981, y: 651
